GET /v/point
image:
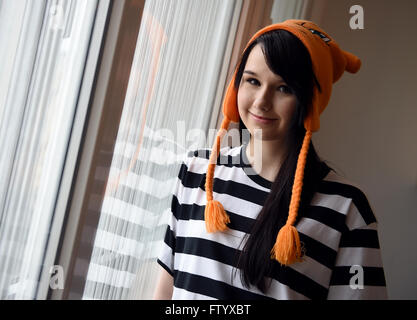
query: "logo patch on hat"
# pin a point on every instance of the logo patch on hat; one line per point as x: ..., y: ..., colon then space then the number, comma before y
x: 321, y: 35
x: 314, y: 31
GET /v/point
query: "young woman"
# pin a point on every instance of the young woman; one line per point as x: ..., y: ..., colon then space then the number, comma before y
x: 269, y: 219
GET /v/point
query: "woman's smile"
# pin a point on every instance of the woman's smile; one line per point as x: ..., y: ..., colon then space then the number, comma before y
x: 262, y: 119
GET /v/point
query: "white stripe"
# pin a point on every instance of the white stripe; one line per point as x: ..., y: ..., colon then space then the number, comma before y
x: 320, y: 232
x: 181, y: 294
x: 367, y: 293
x: 366, y: 257
x: 234, y: 151
x: 354, y: 219
x: 314, y: 270
x: 335, y: 202
x: 239, y: 206
x: 197, y: 229
x: 230, y: 203
x: 166, y: 256
x: 371, y: 226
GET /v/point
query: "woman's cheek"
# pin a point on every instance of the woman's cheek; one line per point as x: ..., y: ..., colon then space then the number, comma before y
x: 243, y: 99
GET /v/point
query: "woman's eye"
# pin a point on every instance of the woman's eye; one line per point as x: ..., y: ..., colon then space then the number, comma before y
x: 285, y: 89
x: 253, y: 81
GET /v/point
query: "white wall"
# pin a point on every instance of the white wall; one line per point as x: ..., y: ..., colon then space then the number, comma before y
x: 369, y: 129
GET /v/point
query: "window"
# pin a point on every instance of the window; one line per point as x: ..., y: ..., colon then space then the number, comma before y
x: 44, y: 53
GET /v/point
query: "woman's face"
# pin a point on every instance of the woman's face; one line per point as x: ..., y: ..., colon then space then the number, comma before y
x: 263, y: 93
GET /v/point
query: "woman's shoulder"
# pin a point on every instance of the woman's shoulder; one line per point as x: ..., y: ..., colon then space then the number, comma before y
x: 346, y: 197
x: 341, y: 185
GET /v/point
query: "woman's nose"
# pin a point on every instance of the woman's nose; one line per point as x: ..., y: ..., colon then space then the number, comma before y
x: 263, y: 100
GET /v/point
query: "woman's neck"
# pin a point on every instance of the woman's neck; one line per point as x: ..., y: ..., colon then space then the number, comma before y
x: 266, y: 156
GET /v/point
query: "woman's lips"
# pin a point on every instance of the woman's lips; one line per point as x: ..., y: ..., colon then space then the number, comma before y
x: 261, y: 120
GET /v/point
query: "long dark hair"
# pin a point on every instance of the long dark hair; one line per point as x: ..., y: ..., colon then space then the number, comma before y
x: 286, y: 56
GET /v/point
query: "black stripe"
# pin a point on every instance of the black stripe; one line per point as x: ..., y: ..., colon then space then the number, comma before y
x: 170, y: 238
x: 213, y: 288
x: 372, y: 276
x: 196, y: 212
x: 185, y: 211
x: 349, y: 191
x: 240, y: 223
x: 298, y: 282
x: 327, y: 216
x: 360, y: 238
x: 183, y: 172
x: 239, y: 190
x: 318, y: 251
x: 163, y: 265
x: 206, y: 248
x: 193, y: 180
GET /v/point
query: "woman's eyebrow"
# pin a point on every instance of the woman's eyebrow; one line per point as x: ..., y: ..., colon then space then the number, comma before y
x: 250, y: 72
x: 255, y: 74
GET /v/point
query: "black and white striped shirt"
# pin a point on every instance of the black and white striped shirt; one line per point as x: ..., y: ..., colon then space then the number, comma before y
x: 339, y: 232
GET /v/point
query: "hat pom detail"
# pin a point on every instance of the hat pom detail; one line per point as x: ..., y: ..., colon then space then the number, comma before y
x: 215, y: 216
x: 287, y: 248
x: 353, y: 63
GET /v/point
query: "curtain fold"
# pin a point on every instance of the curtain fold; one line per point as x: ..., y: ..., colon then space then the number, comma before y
x: 169, y: 102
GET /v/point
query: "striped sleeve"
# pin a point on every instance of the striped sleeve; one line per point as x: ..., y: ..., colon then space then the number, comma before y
x: 358, y: 272
x: 167, y: 252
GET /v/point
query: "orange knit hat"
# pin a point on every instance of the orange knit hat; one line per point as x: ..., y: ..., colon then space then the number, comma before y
x: 329, y: 62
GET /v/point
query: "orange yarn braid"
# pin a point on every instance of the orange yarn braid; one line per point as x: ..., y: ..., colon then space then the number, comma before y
x: 287, y: 248
x: 215, y: 216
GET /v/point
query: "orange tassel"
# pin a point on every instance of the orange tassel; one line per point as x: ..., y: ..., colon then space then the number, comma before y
x: 215, y: 216
x: 287, y: 248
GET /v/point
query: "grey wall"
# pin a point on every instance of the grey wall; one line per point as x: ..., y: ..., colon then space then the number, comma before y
x: 369, y: 129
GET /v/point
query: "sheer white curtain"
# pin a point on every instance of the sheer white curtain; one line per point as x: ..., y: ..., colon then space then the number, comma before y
x: 289, y: 9
x: 169, y: 104
x: 43, y: 52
